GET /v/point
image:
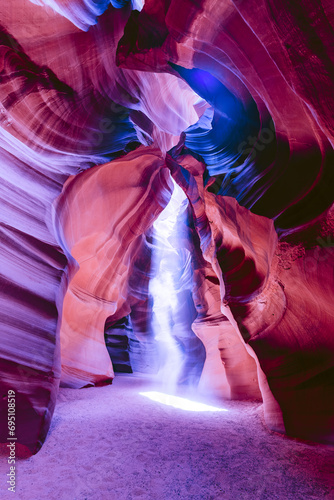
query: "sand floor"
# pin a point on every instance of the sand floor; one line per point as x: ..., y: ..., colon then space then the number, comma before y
x: 113, y: 443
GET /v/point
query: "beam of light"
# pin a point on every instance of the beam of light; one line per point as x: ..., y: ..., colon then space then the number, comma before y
x: 177, y: 402
x: 162, y: 288
x: 138, y: 4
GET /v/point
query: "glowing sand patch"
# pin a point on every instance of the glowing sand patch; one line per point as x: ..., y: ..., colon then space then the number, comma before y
x: 177, y: 402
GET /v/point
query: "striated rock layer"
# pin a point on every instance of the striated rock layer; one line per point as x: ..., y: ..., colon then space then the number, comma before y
x: 258, y: 65
x: 280, y: 303
x: 102, y: 215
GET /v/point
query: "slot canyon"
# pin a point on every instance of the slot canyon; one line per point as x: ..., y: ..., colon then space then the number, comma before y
x: 167, y: 249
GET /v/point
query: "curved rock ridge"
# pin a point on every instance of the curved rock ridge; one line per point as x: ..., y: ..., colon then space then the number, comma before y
x: 238, y: 247
x: 33, y: 279
x: 229, y: 370
x: 259, y: 280
x: 85, y: 13
x: 82, y: 102
x: 252, y: 51
x: 48, y: 115
x: 102, y: 217
x: 82, y: 13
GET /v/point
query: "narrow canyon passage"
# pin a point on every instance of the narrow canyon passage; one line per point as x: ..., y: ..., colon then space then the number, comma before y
x: 114, y: 443
x: 166, y: 249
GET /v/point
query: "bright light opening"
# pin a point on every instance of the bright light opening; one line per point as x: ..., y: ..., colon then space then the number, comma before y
x: 181, y: 403
x: 162, y: 287
x: 138, y: 4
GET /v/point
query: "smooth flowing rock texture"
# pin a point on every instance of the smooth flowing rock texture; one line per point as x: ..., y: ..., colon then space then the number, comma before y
x: 101, y: 105
x: 103, y: 215
x: 254, y: 62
